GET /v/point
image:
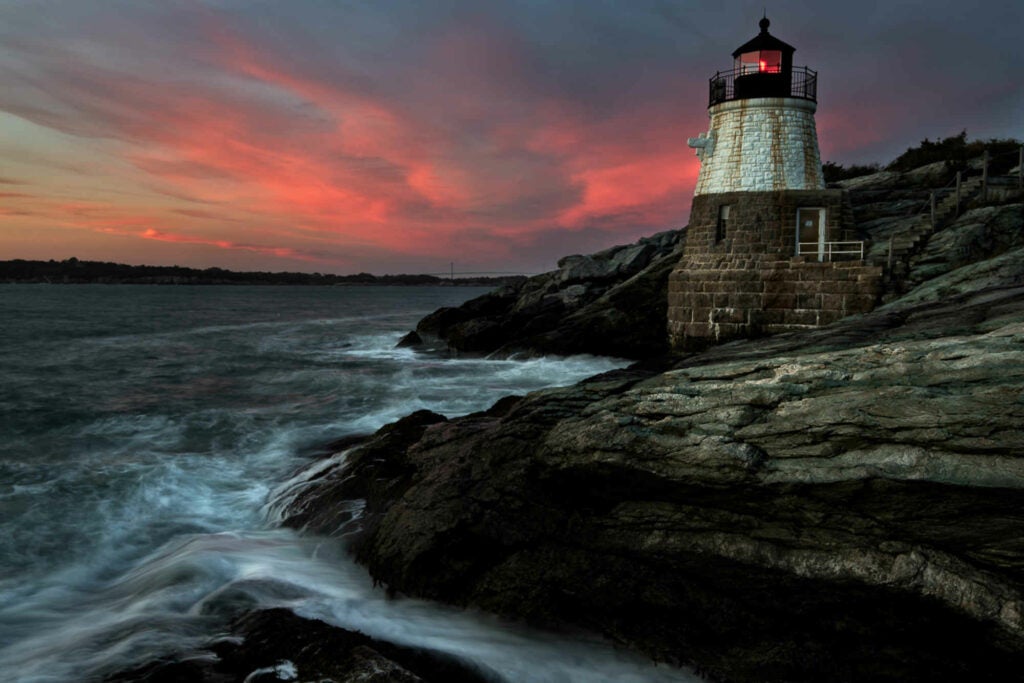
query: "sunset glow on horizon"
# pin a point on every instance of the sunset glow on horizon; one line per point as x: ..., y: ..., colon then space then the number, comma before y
x: 400, y: 136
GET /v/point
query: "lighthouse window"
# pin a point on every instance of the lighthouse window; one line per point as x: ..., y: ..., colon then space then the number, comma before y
x: 761, y: 61
x: 748, y: 62
x: 723, y: 222
x: 770, y: 61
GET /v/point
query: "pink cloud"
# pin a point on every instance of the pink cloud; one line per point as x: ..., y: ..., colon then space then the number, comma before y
x: 281, y: 252
x: 326, y: 159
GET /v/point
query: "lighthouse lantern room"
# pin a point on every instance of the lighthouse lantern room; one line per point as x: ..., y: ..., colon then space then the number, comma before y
x: 768, y: 60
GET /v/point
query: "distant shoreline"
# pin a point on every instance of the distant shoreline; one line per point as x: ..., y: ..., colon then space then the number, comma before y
x: 75, y: 272
x: 441, y: 283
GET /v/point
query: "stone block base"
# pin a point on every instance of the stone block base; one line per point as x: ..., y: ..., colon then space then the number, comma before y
x: 716, y: 298
x: 742, y: 278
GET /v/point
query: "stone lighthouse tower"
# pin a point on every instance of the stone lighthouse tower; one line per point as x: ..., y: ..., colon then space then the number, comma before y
x: 769, y: 248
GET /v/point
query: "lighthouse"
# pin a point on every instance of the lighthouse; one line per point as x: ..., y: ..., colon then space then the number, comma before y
x: 769, y: 247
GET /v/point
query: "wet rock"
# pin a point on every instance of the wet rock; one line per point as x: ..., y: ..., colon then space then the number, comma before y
x: 437, y: 324
x: 628, y: 320
x: 269, y: 646
x: 410, y: 339
x: 609, y: 303
x: 364, y: 479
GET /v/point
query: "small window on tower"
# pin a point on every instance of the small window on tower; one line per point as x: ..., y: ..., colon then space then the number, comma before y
x: 723, y: 222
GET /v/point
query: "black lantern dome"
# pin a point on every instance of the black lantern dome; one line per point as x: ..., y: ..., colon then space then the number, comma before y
x: 763, y: 67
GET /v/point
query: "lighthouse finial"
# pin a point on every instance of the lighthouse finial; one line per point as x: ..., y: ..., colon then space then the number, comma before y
x: 764, y: 23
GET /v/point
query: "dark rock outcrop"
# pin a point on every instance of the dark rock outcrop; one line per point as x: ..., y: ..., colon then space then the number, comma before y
x: 611, y: 303
x: 276, y: 645
x: 410, y: 339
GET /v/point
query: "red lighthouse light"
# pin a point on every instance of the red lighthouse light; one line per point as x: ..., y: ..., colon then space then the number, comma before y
x: 762, y: 61
x: 770, y: 62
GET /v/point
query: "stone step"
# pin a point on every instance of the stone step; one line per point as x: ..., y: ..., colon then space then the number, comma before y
x: 907, y: 242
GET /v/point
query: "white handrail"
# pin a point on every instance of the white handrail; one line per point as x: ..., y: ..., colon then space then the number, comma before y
x: 830, y: 249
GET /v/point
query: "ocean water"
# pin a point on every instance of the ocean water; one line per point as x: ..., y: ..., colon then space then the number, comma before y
x: 144, y: 431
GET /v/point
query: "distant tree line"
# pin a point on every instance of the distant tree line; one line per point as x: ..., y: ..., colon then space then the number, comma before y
x: 74, y: 271
x: 956, y: 151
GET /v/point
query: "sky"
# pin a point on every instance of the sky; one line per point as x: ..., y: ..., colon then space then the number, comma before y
x: 400, y: 136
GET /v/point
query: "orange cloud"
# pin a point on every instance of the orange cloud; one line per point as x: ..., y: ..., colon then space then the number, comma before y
x: 282, y: 252
x: 112, y: 219
x: 642, y: 187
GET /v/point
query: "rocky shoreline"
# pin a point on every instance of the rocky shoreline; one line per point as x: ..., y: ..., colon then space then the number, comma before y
x: 836, y: 504
x: 841, y: 504
x: 760, y: 513
x: 612, y: 303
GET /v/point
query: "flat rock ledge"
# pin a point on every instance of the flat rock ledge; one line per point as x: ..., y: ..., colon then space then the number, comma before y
x: 841, y: 505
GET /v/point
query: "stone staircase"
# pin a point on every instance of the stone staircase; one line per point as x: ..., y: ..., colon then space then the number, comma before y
x: 909, y: 240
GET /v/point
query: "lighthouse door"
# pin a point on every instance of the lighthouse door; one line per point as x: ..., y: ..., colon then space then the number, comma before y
x: 810, y: 232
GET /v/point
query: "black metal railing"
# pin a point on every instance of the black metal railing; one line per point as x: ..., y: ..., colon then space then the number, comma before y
x: 736, y: 84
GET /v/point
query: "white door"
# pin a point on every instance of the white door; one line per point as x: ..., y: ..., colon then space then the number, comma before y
x: 810, y: 232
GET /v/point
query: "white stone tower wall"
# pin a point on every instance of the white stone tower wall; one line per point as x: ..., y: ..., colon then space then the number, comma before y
x: 760, y: 145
